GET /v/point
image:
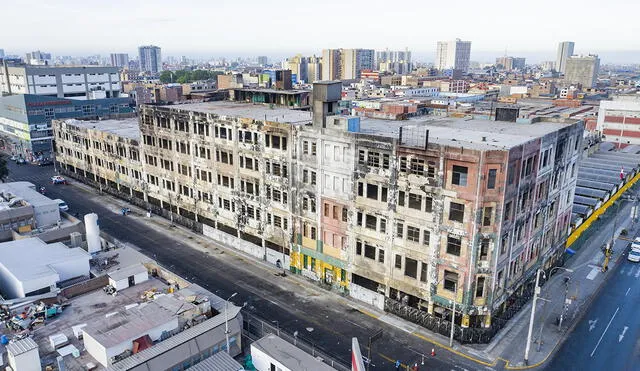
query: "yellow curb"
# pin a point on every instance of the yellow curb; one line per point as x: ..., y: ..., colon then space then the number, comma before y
x: 368, y: 313
x: 453, y: 350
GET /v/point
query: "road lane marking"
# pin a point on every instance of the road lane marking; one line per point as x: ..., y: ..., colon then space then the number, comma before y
x: 621, y: 336
x: 627, y: 293
x: 638, y: 273
x: 605, y: 331
x: 592, y: 324
x: 623, y: 270
x: 630, y: 272
x: 593, y: 273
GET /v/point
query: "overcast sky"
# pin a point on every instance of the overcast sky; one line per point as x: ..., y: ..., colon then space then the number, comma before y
x: 278, y: 28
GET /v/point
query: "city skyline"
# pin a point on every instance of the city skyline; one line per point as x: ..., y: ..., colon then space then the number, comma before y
x: 170, y: 22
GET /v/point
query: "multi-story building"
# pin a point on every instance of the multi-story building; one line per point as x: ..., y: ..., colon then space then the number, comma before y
x: 263, y: 60
x: 299, y: 66
x: 346, y: 64
x: 582, y: 70
x: 418, y: 211
x: 510, y: 63
x: 453, y: 55
x: 120, y: 60
x: 1, y: 53
x: 565, y: 50
x: 86, y: 82
x: 150, y: 58
x: 619, y: 120
x: 26, y: 119
x: 105, y: 153
x: 398, y: 62
x: 314, y: 69
x: 38, y: 58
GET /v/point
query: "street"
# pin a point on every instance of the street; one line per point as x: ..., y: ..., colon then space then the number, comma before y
x: 608, y: 336
x: 318, y: 318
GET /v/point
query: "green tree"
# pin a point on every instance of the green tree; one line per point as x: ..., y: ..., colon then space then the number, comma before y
x: 4, y: 170
x: 165, y: 76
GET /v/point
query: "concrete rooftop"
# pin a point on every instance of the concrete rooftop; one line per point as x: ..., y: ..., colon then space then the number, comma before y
x: 246, y: 110
x: 461, y: 132
x: 127, y: 127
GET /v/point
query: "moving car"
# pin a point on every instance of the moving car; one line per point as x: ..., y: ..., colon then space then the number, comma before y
x: 21, y: 161
x: 57, y: 179
x: 62, y: 205
x: 634, y: 256
x: 45, y: 162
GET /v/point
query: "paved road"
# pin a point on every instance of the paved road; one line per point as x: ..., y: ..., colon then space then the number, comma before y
x: 608, y: 336
x: 332, y: 324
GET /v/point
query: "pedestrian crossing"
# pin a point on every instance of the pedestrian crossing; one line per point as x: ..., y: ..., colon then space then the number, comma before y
x: 630, y: 270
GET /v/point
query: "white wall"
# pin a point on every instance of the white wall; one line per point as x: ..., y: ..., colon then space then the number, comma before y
x: 73, y: 267
x: 372, y: 298
x: 141, y: 277
x: 94, y: 348
x: 262, y: 361
x: 120, y: 284
x: 154, y: 334
x: 229, y: 240
x: 29, y: 361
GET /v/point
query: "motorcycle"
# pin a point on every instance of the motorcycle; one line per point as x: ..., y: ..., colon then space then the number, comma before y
x: 43, y: 190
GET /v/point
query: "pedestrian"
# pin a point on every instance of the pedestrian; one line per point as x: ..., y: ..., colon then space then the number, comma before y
x: 398, y: 365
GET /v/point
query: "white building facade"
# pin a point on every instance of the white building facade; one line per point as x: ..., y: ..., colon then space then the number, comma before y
x: 454, y: 54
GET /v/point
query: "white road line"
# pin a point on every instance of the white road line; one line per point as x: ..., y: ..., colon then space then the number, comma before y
x: 605, y: 331
x: 638, y: 273
x: 630, y: 272
x: 593, y: 273
x: 627, y: 293
x: 622, y: 270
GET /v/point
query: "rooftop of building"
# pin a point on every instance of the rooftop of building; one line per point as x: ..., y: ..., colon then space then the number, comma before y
x: 468, y: 133
x: 290, y: 356
x: 26, y: 191
x: 15, y: 257
x: 220, y: 361
x: 126, y: 127
x: 274, y: 91
x: 246, y: 110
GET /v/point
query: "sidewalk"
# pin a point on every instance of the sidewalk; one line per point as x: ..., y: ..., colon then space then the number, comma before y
x: 507, y: 347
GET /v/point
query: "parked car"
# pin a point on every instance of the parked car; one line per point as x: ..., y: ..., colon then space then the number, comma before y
x: 62, y: 205
x: 634, y: 256
x: 21, y: 161
x: 45, y: 162
x: 57, y: 179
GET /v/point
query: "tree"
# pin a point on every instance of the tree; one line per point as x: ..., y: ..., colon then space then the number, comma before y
x: 166, y: 76
x: 4, y: 170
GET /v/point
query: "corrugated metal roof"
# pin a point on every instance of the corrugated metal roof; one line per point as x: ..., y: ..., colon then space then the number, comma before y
x: 172, y: 342
x: 220, y: 361
x: 289, y: 355
x: 21, y: 346
x: 124, y: 273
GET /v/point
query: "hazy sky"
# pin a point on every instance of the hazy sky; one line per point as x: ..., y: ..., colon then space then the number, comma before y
x: 277, y: 28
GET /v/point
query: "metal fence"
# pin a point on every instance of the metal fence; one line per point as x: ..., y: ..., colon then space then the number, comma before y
x: 254, y: 328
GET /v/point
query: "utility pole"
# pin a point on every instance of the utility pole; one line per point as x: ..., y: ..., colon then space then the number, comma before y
x: 372, y: 338
x: 564, y: 304
x: 453, y: 313
x: 226, y: 319
x: 536, y: 292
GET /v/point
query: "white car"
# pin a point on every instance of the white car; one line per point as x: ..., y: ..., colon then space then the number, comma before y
x: 634, y: 256
x: 62, y: 205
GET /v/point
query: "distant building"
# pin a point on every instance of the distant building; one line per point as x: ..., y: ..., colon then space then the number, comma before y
x: 86, y: 82
x: 510, y: 63
x: 38, y: 58
x: 150, y: 59
x: 398, y: 62
x: 582, y: 70
x: 346, y: 64
x: 26, y: 119
x: 453, y: 54
x: 565, y: 50
x: 120, y: 60
x: 263, y: 60
x: 1, y: 53
x: 619, y: 120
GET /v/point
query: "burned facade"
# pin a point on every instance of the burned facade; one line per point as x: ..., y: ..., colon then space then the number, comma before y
x: 420, y: 212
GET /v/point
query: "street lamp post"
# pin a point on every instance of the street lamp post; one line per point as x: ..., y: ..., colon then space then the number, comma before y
x: 453, y: 313
x: 226, y: 319
x: 536, y: 292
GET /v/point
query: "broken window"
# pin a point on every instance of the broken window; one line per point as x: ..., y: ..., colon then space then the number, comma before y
x: 450, y: 280
x: 398, y: 261
x: 372, y: 191
x: 410, y: 267
x: 454, y: 245
x: 480, y: 287
x: 369, y: 252
x: 459, y: 175
x: 486, y: 217
x: 491, y: 178
x: 456, y: 212
x: 484, y: 249
x: 415, y: 201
